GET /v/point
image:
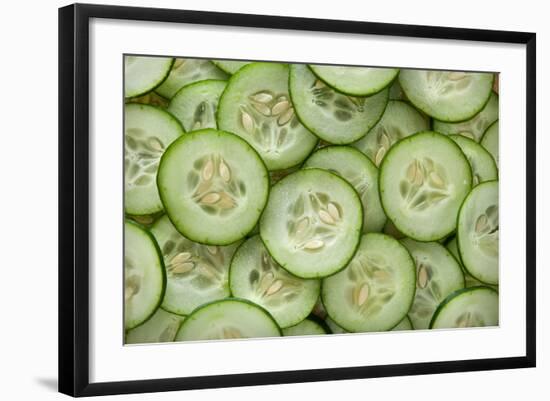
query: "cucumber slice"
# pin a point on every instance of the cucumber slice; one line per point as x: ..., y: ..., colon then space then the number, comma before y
x: 490, y: 140
x: 213, y: 185
x: 404, y: 324
x: 148, y: 132
x: 398, y: 121
x: 423, y: 180
x: 256, y: 106
x: 355, y: 81
x: 150, y: 98
x: 230, y: 67
x: 228, y: 319
x: 187, y: 71
x: 334, y: 117
x: 469, y: 307
x: 195, y: 105
x: 376, y: 290
x: 358, y: 171
x: 477, y: 232
x: 160, y: 328
x: 143, y: 74
x: 438, y: 274
x: 482, y: 163
x: 312, y: 223
x: 469, y: 281
x: 144, y: 277
x: 196, y: 273
x: 306, y: 327
x: 474, y: 127
x: 448, y: 96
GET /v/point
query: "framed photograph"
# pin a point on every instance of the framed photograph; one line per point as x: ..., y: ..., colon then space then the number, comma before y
x: 240, y: 206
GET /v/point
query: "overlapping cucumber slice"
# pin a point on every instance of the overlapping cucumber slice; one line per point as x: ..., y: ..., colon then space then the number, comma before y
x: 230, y: 66
x: 159, y: 328
x: 143, y: 74
x: 490, y: 140
x: 306, y: 327
x: 482, y: 163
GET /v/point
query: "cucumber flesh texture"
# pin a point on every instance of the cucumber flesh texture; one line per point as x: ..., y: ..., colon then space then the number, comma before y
x: 375, y: 291
x: 144, y: 278
x: 404, y: 324
x: 477, y: 232
x: 312, y: 223
x: 148, y: 131
x: 490, y: 141
x: 482, y: 163
x: 398, y: 121
x: 229, y: 66
x: 449, y: 96
x: 355, y: 81
x: 257, y: 107
x: 195, y: 105
x: 474, y: 127
x: 423, y: 180
x: 228, y: 319
x: 159, y: 328
x: 438, y: 274
x: 150, y: 98
x: 213, y: 185
x: 306, y: 327
x: 469, y: 307
x: 255, y: 276
x: 332, y: 116
x: 469, y: 281
x: 143, y: 74
x: 196, y: 273
x: 187, y: 71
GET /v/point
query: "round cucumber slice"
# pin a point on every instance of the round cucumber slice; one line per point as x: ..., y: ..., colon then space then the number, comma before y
x: 257, y: 107
x: 469, y: 281
x: 474, y: 127
x: 306, y: 327
x: 376, y: 290
x: 148, y: 131
x: 160, y: 328
x: 490, y: 140
x: 255, y: 276
x: 213, y: 185
x: 143, y: 74
x: 398, y: 121
x: 230, y: 67
x: 187, y: 71
x: 144, y: 277
x: 359, y: 171
x: 438, y: 274
x: 332, y: 116
x: 196, y: 273
x: 482, y: 163
x: 404, y: 324
x: 228, y: 319
x: 195, y: 105
x: 469, y: 307
x: 423, y: 180
x: 355, y: 81
x: 312, y: 223
x: 448, y: 96
x: 477, y: 232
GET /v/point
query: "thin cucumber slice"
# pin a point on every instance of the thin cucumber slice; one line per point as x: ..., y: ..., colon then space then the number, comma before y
x: 306, y: 327
x: 213, y: 185
x: 148, y: 131
x: 196, y: 273
x: 438, y: 274
x: 187, y: 71
x: 469, y: 281
x: 477, y: 232
x: 359, y: 171
x: 469, y: 307
x: 160, y: 328
x: 332, y: 116
x: 423, y: 180
x: 355, y: 81
x: 257, y: 107
x: 143, y: 74
x: 312, y: 223
x: 228, y: 319
x: 398, y: 121
x: 403, y: 325
x: 144, y: 277
x: 482, y: 163
x: 475, y: 126
x: 376, y: 290
x: 255, y: 276
x: 230, y: 67
x: 150, y: 98
x: 447, y: 95
x: 195, y: 105
x: 490, y: 140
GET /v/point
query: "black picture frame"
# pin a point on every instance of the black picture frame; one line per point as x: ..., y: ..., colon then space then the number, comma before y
x: 74, y: 194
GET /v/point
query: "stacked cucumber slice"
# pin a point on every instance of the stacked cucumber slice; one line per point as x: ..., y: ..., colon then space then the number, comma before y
x: 270, y: 199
